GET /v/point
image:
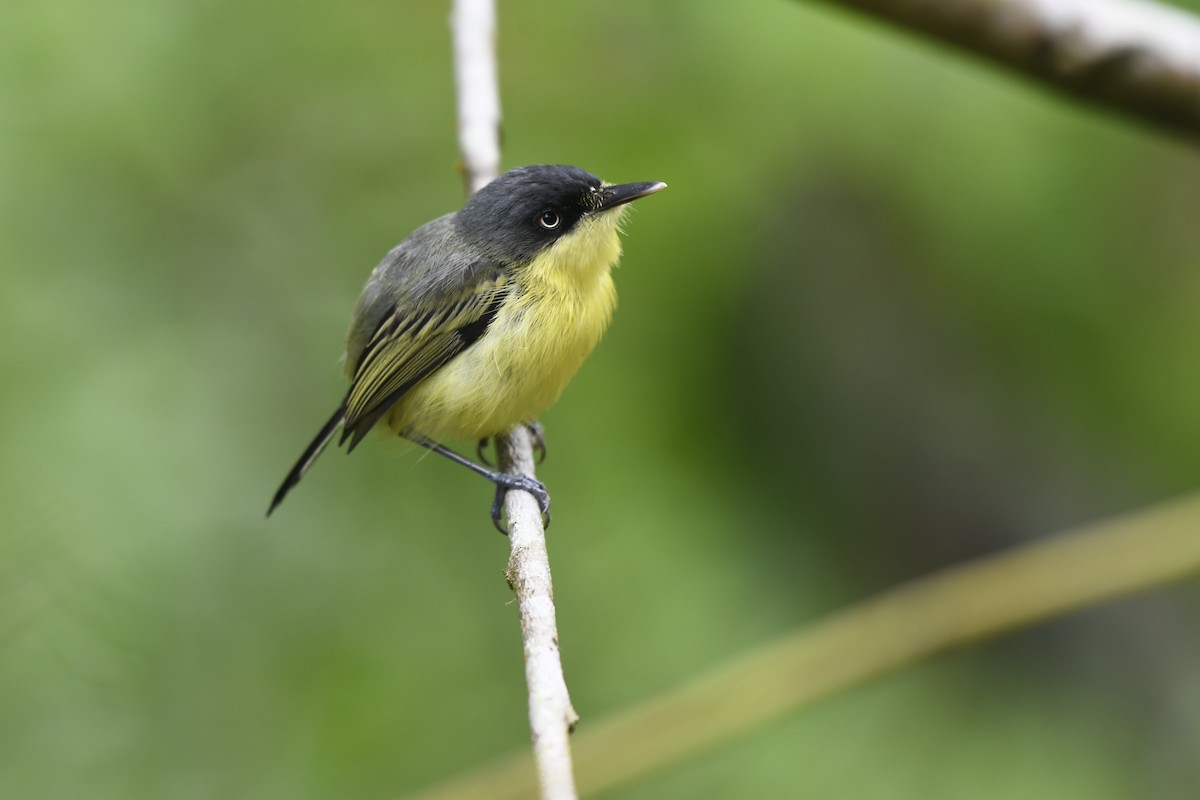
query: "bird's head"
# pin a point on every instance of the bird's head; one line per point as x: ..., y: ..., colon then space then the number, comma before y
x: 529, y: 209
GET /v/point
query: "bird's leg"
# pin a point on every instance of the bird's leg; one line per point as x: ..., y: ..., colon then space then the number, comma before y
x: 504, y: 483
x: 538, y: 435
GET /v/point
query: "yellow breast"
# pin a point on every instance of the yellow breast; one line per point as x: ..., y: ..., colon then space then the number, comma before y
x: 553, y: 318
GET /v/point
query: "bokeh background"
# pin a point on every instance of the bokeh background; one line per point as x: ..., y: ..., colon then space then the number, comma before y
x: 895, y: 310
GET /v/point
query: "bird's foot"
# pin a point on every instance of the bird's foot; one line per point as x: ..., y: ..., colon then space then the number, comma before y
x: 506, y: 483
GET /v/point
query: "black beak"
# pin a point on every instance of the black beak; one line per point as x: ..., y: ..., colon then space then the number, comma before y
x: 622, y: 193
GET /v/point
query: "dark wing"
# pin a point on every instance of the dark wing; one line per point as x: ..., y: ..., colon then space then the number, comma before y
x: 413, y: 341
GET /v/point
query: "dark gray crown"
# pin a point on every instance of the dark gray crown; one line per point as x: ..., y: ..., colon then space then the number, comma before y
x: 506, y: 216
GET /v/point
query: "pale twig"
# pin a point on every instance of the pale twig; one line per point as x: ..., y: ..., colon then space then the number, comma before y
x: 949, y: 609
x: 1132, y: 56
x: 473, y: 25
x: 551, y: 716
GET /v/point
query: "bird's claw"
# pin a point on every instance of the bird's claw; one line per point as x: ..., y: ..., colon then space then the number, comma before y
x: 537, y: 436
x: 481, y: 452
x: 523, y: 483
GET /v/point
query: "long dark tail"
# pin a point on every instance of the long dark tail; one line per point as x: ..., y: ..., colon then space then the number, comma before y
x: 309, y: 456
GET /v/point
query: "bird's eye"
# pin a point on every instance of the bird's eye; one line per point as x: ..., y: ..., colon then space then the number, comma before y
x: 549, y: 219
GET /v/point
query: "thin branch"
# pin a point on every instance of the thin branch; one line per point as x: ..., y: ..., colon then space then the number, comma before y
x: 551, y: 717
x: 1133, y: 56
x: 947, y: 610
x: 473, y: 24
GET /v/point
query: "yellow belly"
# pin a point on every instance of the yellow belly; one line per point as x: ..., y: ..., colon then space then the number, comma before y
x: 540, y: 337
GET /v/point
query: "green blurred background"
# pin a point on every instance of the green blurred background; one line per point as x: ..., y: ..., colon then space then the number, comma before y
x: 896, y: 310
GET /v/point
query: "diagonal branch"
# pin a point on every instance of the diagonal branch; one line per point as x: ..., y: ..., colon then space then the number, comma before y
x: 551, y: 716
x: 1133, y: 56
x: 949, y: 609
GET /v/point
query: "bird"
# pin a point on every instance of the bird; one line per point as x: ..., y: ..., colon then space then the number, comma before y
x: 477, y: 321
